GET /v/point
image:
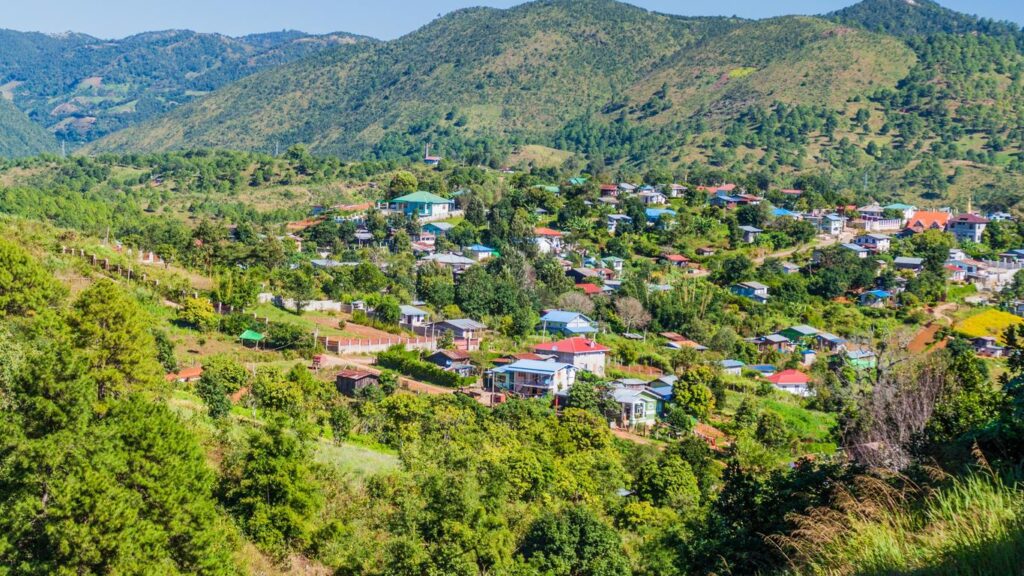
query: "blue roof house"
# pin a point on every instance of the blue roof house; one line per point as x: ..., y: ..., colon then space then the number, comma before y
x: 566, y: 323
x: 532, y: 378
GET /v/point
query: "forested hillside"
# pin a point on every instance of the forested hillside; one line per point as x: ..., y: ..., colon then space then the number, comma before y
x: 19, y: 136
x: 82, y: 88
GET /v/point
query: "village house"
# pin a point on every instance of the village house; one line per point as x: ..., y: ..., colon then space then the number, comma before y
x: 830, y: 342
x: 533, y: 378
x: 412, y: 317
x: 638, y: 407
x: 875, y: 298
x: 185, y: 375
x: 800, y: 334
x: 652, y: 198
x: 774, y: 343
x: 750, y: 233
x: 906, y: 210
x: 792, y: 381
x: 349, y: 382
x: 877, y: 243
x: 548, y: 240
x: 423, y: 205
x: 732, y: 367
x: 926, y: 220
x: 566, y: 323
x: 830, y: 224
x: 857, y: 250
x: 438, y: 229
x: 658, y: 216
x: 677, y: 260
x: 461, y: 329
x: 452, y: 261
x: 583, y: 353
x: 753, y: 290
x: 479, y: 252
x: 968, y: 227
x: 988, y: 347
x: 614, y: 220
x: 909, y: 263
x: 872, y: 211
x: 789, y: 268
x: 455, y: 361
x: 861, y: 359
x: 614, y: 263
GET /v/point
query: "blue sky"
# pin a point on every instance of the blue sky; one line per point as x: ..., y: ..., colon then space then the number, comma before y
x: 384, y: 19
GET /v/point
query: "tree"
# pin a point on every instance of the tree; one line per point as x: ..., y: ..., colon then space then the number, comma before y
x: 341, y: 420
x: 576, y: 302
x: 734, y: 269
x: 271, y: 489
x: 632, y: 313
x: 402, y: 183
x: 668, y: 481
x: 114, y: 336
x: 165, y: 351
x: 199, y: 314
x: 298, y: 285
x: 127, y: 492
x: 692, y: 391
x: 446, y: 341
x: 771, y: 430
x: 222, y: 376
x: 574, y: 542
x: 25, y: 286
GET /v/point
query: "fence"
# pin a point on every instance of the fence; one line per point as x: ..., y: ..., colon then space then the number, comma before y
x: 128, y: 273
x: 366, y: 345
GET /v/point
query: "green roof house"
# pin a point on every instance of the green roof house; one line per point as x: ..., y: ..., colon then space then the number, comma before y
x: 423, y: 204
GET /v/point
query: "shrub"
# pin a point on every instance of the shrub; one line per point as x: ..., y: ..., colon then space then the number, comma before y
x: 408, y: 363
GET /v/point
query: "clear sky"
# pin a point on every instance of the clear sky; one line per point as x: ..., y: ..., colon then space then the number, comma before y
x: 383, y: 19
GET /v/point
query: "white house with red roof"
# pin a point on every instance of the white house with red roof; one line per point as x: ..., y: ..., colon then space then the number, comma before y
x: 548, y: 240
x: 792, y: 381
x: 583, y: 353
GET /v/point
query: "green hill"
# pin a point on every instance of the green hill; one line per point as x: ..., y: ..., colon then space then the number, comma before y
x: 525, y: 73
x: 916, y: 18
x: 83, y: 88
x: 19, y: 136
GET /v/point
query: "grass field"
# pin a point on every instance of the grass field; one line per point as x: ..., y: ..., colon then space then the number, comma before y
x: 988, y: 323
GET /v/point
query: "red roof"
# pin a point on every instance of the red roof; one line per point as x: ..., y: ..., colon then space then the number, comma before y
x: 589, y: 289
x: 576, y: 345
x: 186, y: 374
x: 792, y: 191
x: 924, y: 220
x: 609, y: 187
x: 789, y: 377
x: 676, y: 258
x: 547, y: 232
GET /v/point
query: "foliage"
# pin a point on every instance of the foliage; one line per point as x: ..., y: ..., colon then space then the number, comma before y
x: 408, y: 363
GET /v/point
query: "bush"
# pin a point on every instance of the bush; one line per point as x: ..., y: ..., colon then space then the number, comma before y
x: 408, y: 363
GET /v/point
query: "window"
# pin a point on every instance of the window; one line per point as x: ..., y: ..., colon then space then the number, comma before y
x: 638, y: 410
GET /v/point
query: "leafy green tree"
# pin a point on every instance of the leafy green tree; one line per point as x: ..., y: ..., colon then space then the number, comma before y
x: 692, y: 391
x: 668, y: 481
x: 574, y: 542
x: 114, y: 335
x: 402, y: 183
x: 25, y: 286
x: 222, y: 376
x: 341, y: 420
x: 199, y: 314
x: 165, y: 350
x: 771, y: 430
x: 271, y: 488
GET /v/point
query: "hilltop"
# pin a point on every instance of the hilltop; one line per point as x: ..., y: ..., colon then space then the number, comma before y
x: 81, y: 87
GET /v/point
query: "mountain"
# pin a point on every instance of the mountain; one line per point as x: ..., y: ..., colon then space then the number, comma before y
x: 524, y: 74
x: 82, y: 87
x: 19, y: 136
x: 907, y: 18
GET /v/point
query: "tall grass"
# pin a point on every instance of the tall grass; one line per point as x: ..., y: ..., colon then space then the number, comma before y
x: 974, y: 526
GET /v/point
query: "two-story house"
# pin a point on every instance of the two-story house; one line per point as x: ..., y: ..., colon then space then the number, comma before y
x: 968, y: 227
x: 532, y: 378
x: 583, y: 353
x: 754, y: 290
